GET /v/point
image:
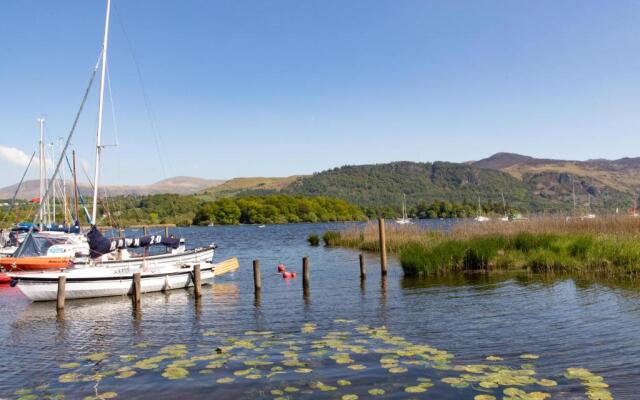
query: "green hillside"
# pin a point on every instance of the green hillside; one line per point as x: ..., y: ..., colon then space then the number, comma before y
x: 380, y: 187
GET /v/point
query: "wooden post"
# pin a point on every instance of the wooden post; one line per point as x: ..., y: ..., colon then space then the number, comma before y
x: 196, y: 280
x: 120, y: 232
x: 363, y: 267
x: 257, y: 285
x: 383, y: 247
x: 166, y: 231
x: 137, y: 287
x: 305, y: 272
x: 62, y: 281
x: 144, y: 230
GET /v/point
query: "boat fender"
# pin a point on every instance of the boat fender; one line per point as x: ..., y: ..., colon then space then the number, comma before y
x: 13, y: 282
x: 281, y: 268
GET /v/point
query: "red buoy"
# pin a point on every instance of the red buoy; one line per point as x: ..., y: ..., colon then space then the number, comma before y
x: 281, y: 268
x: 293, y: 274
x: 287, y: 275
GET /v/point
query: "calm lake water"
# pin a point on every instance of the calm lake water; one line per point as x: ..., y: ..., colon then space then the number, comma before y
x: 394, y: 338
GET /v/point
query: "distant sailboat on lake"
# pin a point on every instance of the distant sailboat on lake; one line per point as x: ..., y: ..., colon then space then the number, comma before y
x: 404, y: 220
x: 480, y: 217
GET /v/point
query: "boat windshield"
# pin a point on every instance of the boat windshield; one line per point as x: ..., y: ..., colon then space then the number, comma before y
x: 38, y: 245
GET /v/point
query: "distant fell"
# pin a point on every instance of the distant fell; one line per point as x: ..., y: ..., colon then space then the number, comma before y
x: 175, y: 185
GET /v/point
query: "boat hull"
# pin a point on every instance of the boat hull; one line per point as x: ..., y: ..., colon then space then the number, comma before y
x: 115, y: 278
x: 45, y: 288
x: 34, y: 263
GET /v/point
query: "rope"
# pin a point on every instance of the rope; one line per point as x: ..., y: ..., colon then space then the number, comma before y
x: 66, y: 145
x: 13, y: 200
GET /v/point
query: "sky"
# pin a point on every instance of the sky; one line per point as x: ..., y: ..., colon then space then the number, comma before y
x: 220, y: 89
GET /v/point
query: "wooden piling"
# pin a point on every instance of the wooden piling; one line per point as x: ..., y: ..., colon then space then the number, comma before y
x: 166, y: 231
x: 137, y: 287
x: 383, y: 247
x: 257, y: 284
x: 144, y: 230
x: 62, y: 282
x: 120, y: 232
x: 363, y: 267
x: 196, y: 280
x: 305, y: 272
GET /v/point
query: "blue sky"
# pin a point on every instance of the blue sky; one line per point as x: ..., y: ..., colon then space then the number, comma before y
x: 275, y: 88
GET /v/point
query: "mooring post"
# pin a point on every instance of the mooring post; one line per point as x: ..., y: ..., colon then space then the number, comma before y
x: 137, y: 287
x: 363, y: 267
x: 62, y: 282
x: 305, y: 272
x: 166, y: 231
x: 120, y: 232
x: 383, y: 247
x: 257, y: 285
x: 144, y: 230
x: 196, y: 280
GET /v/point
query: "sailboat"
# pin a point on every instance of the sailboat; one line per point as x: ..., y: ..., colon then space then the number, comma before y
x: 109, y: 269
x: 47, y: 244
x: 505, y: 217
x: 480, y: 217
x: 590, y: 214
x: 404, y: 220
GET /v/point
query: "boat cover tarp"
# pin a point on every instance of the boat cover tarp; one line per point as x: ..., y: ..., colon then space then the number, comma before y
x: 100, y: 245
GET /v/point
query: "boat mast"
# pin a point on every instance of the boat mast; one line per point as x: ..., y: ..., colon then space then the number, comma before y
x: 41, y: 159
x: 404, y: 206
x: 573, y: 186
x: 75, y: 188
x: 103, y: 72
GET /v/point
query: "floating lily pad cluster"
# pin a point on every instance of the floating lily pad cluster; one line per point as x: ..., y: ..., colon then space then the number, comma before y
x: 343, y: 360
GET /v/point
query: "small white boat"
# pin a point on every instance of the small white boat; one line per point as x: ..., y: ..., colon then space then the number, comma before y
x: 404, y: 220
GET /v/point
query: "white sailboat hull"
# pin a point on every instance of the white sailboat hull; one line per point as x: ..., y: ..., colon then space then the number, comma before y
x: 116, y: 278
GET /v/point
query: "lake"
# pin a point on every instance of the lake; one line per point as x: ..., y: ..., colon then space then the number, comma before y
x: 460, y: 337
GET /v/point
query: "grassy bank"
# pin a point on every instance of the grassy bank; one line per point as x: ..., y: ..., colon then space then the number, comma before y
x: 608, y: 245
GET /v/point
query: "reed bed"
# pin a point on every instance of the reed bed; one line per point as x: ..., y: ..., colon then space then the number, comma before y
x: 606, y: 245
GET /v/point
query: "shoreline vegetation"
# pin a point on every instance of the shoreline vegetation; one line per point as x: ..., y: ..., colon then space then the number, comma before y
x: 173, y: 209
x: 607, y: 245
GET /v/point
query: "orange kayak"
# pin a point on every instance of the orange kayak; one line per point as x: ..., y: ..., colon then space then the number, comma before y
x: 34, y: 263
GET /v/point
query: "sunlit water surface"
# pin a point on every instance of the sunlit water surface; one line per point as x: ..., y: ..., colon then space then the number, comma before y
x: 392, y: 338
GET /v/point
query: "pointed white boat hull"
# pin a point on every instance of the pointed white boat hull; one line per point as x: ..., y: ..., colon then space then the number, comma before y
x: 115, y: 278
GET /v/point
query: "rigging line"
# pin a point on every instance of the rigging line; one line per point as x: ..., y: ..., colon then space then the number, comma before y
x: 113, y: 110
x: 102, y: 199
x: 15, y: 195
x: 147, y: 104
x: 66, y: 145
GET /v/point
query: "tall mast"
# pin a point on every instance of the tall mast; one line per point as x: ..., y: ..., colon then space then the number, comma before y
x: 75, y: 188
x: 42, y: 172
x: 103, y: 72
x: 404, y: 206
x: 53, y: 185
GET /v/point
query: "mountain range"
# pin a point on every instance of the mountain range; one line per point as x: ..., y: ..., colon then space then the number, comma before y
x: 527, y: 183
x: 175, y: 185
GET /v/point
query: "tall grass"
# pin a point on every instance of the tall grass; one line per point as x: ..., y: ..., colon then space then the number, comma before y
x: 607, y: 245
